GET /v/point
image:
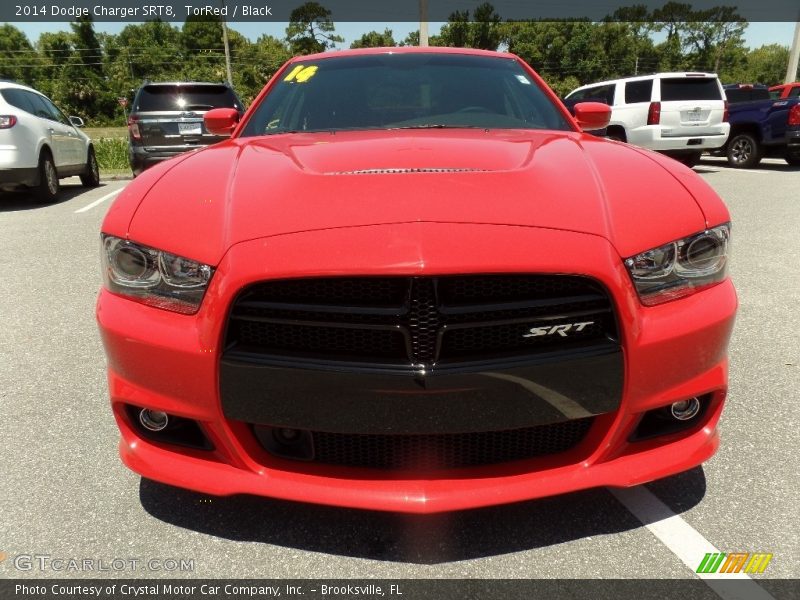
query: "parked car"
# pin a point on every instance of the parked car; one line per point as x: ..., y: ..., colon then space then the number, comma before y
x: 40, y: 145
x: 166, y: 119
x: 410, y: 282
x: 785, y: 90
x: 761, y: 126
x: 678, y: 114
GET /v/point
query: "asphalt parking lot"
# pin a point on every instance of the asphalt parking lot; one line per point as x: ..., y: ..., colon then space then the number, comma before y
x: 66, y: 494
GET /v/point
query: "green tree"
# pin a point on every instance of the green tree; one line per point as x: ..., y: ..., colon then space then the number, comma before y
x: 373, y: 39
x: 672, y: 17
x: 152, y: 50
x: 18, y: 60
x: 766, y: 64
x: 412, y: 39
x: 715, y: 38
x: 311, y: 29
x: 256, y: 63
x: 485, y: 32
x: 482, y: 31
x: 87, y: 46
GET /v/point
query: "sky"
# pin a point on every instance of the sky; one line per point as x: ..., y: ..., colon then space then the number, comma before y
x: 757, y: 34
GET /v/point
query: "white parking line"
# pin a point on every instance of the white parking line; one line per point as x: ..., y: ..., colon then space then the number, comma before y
x: 731, y: 170
x: 100, y: 201
x: 686, y: 543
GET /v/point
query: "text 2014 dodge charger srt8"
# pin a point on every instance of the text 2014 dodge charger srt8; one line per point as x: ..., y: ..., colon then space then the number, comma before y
x: 409, y: 282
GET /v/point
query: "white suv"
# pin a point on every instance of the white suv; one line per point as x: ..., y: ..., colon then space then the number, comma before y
x: 39, y: 145
x: 679, y: 114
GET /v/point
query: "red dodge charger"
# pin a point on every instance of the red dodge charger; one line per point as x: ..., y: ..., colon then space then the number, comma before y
x: 410, y: 282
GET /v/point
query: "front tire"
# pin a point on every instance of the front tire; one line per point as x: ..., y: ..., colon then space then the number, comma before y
x: 793, y: 160
x: 91, y: 178
x: 47, y: 189
x: 744, y: 151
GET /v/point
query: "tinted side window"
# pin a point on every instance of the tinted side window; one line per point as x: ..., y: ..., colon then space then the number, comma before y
x: 689, y: 88
x: 55, y: 112
x: 638, y: 91
x: 18, y: 99
x: 735, y: 95
x: 40, y: 109
x: 600, y: 93
x: 795, y: 92
x: 578, y: 95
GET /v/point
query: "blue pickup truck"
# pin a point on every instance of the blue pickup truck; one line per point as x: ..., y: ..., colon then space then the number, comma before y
x: 761, y: 126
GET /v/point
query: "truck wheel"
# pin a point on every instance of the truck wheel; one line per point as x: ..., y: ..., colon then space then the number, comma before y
x: 47, y: 189
x: 744, y: 151
x: 793, y: 160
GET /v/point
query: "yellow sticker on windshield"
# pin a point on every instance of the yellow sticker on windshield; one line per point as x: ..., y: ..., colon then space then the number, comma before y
x: 301, y: 74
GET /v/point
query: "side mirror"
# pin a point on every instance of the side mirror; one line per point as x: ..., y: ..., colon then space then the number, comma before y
x: 592, y: 115
x: 76, y: 121
x: 221, y: 121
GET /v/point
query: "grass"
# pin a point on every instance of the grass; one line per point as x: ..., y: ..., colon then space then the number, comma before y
x: 97, y: 133
x: 111, y: 148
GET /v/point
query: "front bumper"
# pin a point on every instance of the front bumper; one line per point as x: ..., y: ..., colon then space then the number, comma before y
x: 671, y: 352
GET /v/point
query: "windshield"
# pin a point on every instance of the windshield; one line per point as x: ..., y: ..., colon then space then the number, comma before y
x: 393, y: 91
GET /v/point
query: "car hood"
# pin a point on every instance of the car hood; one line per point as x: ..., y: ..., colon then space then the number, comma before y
x: 250, y: 188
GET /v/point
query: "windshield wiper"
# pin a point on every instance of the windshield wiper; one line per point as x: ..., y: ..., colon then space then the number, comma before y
x: 438, y: 126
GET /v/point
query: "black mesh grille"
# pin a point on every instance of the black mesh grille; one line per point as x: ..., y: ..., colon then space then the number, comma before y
x: 419, y: 320
x: 508, y: 288
x: 367, y: 291
x: 342, y: 341
x: 448, y: 451
x: 423, y: 321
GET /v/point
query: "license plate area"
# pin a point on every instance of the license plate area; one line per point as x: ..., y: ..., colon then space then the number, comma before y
x: 190, y: 128
x: 696, y: 115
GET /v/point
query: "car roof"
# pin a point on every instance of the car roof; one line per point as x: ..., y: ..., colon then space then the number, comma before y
x: 667, y: 75
x: 173, y: 83
x: 12, y: 84
x: 402, y: 50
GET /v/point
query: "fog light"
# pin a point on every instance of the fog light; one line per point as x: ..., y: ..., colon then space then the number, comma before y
x: 287, y: 436
x: 685, y: 409
x: 153, y: 420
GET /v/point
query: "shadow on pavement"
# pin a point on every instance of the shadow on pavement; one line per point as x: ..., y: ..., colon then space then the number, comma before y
x: 421, y: 539
x: 22, y: 200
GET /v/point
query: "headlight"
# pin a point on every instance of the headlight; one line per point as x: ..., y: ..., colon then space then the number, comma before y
x: 154, y: 277
x: 681, y: 268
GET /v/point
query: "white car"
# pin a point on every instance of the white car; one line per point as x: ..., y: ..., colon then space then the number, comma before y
x: 39, y: 145
x: 678, y: 114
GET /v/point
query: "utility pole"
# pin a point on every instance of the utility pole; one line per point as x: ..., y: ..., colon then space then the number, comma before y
x: 227, y: 48
x: 794, y: 54
x: 423, y: 23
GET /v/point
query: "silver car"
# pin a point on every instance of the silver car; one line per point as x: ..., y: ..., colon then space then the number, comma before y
x: 40, y: 145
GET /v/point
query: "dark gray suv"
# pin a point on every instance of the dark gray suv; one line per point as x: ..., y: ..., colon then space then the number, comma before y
x: 166, y: 119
